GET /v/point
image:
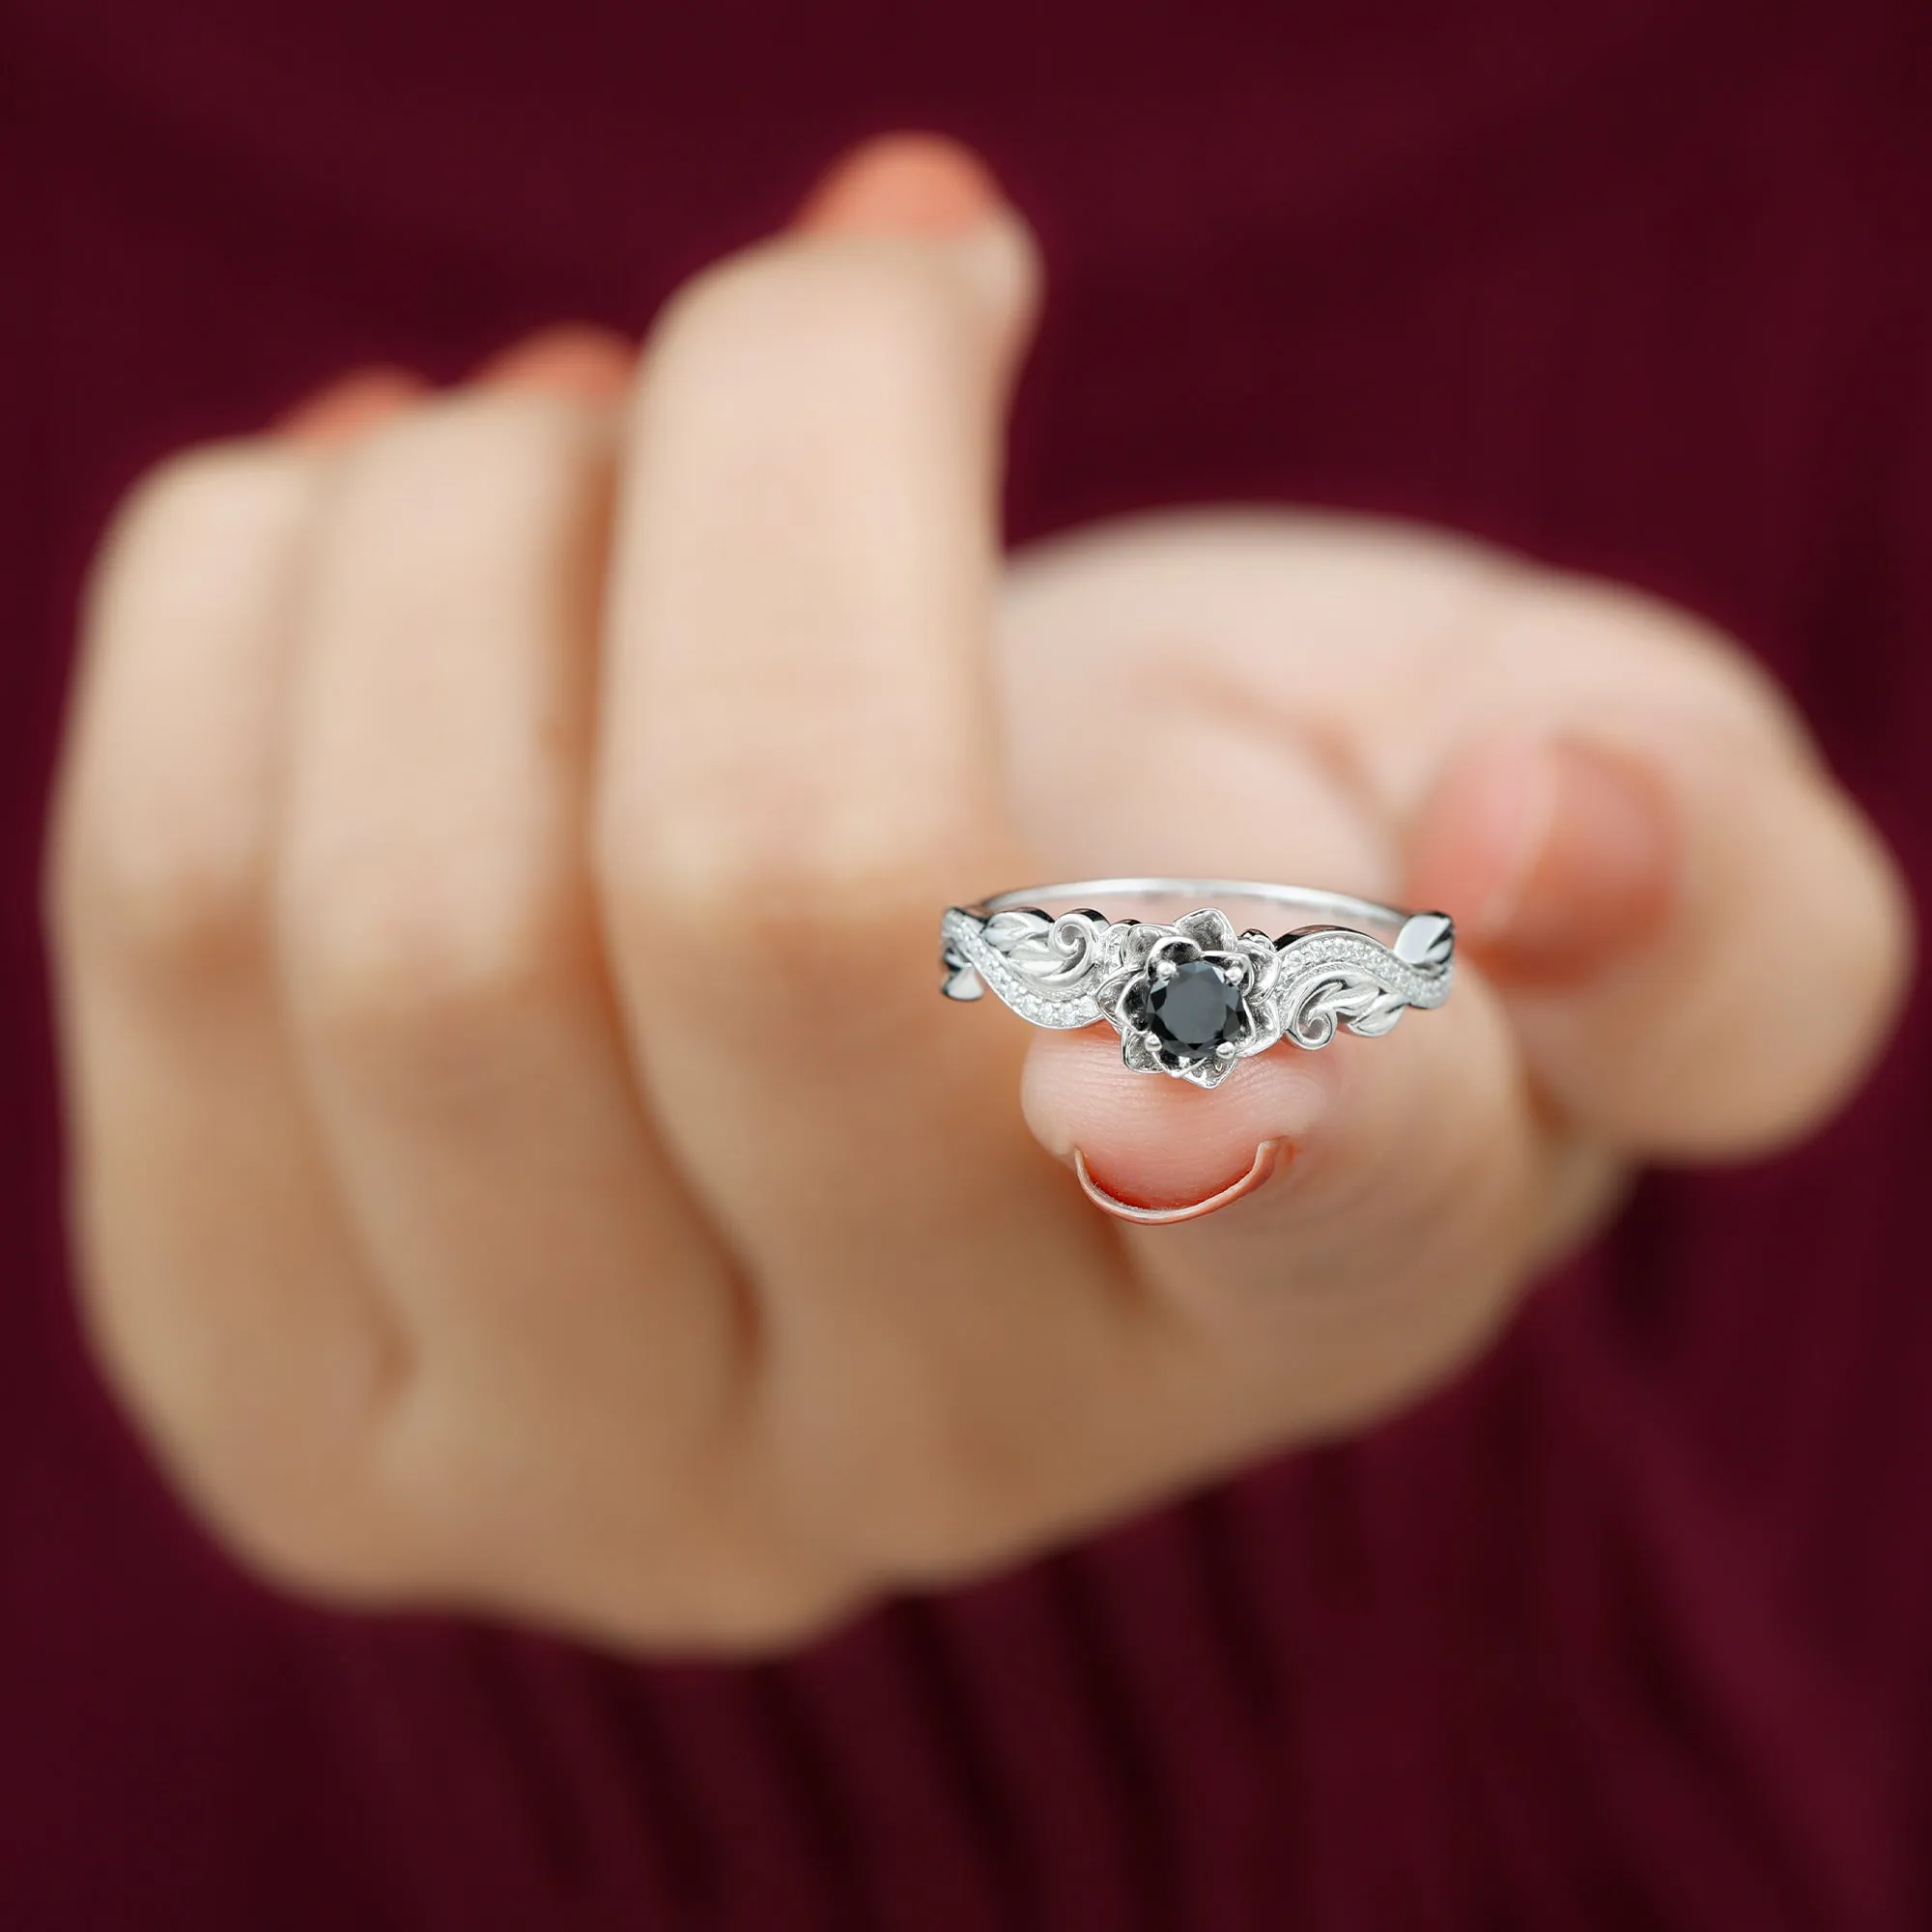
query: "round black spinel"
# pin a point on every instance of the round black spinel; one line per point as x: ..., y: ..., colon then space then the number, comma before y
x: 1194, y: 1010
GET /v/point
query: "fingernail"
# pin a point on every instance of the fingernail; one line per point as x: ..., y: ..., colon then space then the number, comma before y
x: 903, y: 185
x: 1588, y: 862
x: 573, y: 359
x: 1268, y: 1157
x: 350, y: 405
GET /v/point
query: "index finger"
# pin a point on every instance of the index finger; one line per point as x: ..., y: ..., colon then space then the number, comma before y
x: 800, y: 745
x: 800, y: 769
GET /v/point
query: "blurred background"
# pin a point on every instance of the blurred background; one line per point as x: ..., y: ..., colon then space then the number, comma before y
x: 1631, y: 1626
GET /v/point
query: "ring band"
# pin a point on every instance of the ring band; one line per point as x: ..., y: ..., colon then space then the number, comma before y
x: 1193, y: 996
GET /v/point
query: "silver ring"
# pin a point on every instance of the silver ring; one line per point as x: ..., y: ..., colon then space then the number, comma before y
x: 1194, y: 996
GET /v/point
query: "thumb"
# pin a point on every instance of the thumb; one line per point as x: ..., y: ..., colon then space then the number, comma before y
x: 1699, y: 939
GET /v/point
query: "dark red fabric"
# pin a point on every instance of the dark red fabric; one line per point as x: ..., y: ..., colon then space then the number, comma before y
x: 1631, y: 1627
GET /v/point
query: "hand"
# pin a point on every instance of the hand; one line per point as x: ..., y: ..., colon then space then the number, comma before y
x: 520, y: 1157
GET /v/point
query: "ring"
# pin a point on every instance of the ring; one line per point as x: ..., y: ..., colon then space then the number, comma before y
x: 1193, y: 996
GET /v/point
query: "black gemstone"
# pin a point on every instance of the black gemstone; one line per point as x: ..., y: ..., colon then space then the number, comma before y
x: 1194, y: 1011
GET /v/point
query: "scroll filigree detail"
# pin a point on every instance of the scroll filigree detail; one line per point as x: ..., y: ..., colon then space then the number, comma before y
x: 1044, y: 968
x: 1334, y: 977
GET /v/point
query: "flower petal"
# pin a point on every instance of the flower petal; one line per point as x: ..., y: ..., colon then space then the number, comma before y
x: 1261, y: 1029
x: 1259, y: 949
x: 1210, y: 928
x: 1112, y: 995
x: 1238, y: 968
x: 1174, y: 946
x: 1137, y: 1054
x: 1207, y: 1072
x: 1140, y: 939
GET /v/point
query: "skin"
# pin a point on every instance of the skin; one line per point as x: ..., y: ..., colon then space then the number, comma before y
x: 470, y: 1210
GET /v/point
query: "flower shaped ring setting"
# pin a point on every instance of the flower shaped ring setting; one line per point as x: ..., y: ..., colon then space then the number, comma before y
x: 1194, y: 996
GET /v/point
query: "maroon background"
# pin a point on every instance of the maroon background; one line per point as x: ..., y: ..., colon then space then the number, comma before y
x: 1633, y: 1626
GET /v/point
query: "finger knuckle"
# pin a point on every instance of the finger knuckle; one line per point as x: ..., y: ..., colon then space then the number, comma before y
x: 764, y: 875
x: 478, y: 469
x: 812, y: 935
x: 175, y: 899
x: 412, y: 968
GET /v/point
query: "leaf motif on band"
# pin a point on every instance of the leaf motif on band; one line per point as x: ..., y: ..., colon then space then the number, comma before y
x: 1045, y: 978
x: 1056, y: 955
